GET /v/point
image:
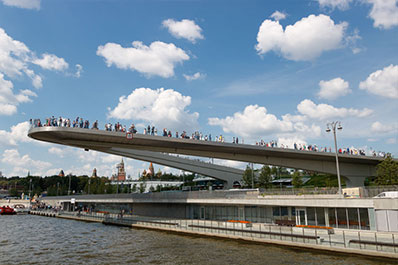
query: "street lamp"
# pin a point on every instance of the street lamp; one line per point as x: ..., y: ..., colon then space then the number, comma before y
x: 332, y: 127
x: 70, y: 175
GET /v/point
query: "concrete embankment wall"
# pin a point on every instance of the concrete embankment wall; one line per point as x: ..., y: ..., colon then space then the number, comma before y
x: 286, y: 236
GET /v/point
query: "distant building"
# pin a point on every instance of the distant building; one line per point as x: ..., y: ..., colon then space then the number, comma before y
x: 61, y: 173
x: 94, y: 175
x: 121, y: 173
x: 1, y: 174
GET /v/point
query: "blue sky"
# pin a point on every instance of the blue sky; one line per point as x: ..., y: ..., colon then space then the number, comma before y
x: 271, y: 70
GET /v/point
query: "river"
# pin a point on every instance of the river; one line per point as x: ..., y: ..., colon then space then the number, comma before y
x: 29, y: 239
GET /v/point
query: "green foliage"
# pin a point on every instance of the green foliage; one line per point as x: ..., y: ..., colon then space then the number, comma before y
x: 297, y: 180
x: 387, y: 172
x: 265, y: 178
x: 247, y: 177
x: 142, y: 188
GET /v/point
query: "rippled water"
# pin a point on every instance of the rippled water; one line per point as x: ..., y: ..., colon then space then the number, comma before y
x: 28, y: 239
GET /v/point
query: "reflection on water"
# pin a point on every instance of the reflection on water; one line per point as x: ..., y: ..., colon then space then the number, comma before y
x: 28, y: 239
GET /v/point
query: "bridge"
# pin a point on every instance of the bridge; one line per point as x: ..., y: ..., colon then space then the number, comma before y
x: 353, y: 168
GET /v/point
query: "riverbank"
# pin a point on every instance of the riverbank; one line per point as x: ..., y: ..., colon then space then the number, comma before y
x: 375, y: 244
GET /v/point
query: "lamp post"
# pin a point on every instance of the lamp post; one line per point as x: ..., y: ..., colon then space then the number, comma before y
x: 332, y: 127
x: 69, y: 183
x: 252, y: 177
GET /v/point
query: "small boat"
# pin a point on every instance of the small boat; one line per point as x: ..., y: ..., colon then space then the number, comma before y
x: 6, y: 210
x: 21, y: 209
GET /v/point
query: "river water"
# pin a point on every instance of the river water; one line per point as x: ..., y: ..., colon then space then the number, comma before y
x: 30, y: 239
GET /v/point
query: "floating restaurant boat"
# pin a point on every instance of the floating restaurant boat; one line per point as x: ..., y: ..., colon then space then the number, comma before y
x: 5, y: 210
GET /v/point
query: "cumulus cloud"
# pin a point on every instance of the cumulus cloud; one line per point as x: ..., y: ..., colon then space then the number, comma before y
x: 378, y: 127
x: 289, y: 142
x: 18, y: 133
x: 194, y: 76
x: 24, y: 163
x: 253, y: 119
x: 382, y: 82
x: 185, y: 28
x: 27, y: 4
x: 8, y: 100
x: 307, y: 39
x: 159, y: 58
x: 51, y: 62
x: 340, y: 4
x: 164, y: 108
x: 325, y: 111
x: 384, y: 13
x: 333, y: 88
x: 278, y: 15
x: 16, y: 58
x: 255, y: 122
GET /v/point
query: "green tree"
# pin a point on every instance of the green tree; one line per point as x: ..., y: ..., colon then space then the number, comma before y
x: 248, y: 174
x: 142, y: 187
x: 387, y: 172
x: 265, y: 178
x: 134, y: 188
x: 297, y: 180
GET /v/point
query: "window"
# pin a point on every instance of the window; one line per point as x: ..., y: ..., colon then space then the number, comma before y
x: 342, y: 218
x: 320, y: 216
x: 276, y: 211
x: 353, y: 222
x: 364, y: 219
x: 311, y: 216
x: 332, y: 217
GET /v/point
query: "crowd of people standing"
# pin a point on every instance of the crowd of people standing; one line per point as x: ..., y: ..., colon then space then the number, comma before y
x: 79, y: 122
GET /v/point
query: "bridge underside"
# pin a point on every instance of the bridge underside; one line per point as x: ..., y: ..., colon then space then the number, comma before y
x: 354, y: 168
x: 227, y: 174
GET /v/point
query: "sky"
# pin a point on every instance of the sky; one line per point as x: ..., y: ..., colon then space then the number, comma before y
x: 256, y: 70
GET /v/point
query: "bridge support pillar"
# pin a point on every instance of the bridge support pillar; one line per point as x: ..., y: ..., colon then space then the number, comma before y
x: 354, y: 181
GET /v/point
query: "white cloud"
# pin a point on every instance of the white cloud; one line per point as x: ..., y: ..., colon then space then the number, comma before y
x: 391, y: 141
x: 230, y: 163
x: 384, y: 13
x: 253, y: 120
x: 333, y: 88
x: 378, y: 127
x: 57, y: 151
x: 28, y: 4
x: 278, y: 15
x: 194, y: 76
x: 289, y: 142
x: 8, y: 100
x: 382, y: 82
x: 256, y: 122
x: 160, y: 107
x: 79, y: 70
x: 325, y: 111
x: 185, y: 28
x: 51, y: 62
x: 18, y: 133
x: 16, y: 57
x: 23, y: 164
x: 157, y: 59
x: 303, y: 41
x: 340, y: 4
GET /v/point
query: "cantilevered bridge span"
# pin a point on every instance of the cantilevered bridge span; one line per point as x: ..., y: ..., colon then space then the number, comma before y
x: 147, y: 147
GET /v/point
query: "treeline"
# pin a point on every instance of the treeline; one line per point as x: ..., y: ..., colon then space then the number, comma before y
x: 386, y: 174
x: 56, y: 185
